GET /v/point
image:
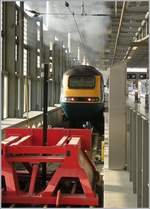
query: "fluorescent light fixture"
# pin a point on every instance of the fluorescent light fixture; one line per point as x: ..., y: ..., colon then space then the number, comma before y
x: 26, y: 7
x: 78, y: 53
x: 18, y: 3
x: 129, y: 57
x: 107, y: 50
x: 83, y: 62
x: 66, y: 51
x: 134, y: 48
x: 147, y: 15
x: 47, y: 11
x: 133, y: 70
x: 56, y: 39
x: 143, y: 22
x: 63, y: 46
x: 51, y: 45
x: 139, y: 29
x: 38, y: 23
x: 46, y: 18
x: 69, y: 42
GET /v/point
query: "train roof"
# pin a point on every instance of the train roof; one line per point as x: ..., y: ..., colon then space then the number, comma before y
x: 82, y: 70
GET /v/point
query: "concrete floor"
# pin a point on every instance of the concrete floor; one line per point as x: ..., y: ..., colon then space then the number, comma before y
x: 118, y: 192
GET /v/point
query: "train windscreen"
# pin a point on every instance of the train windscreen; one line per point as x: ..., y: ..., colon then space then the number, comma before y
x: 86, y: 82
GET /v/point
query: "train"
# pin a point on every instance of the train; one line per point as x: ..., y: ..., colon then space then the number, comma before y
x: 82, y: 97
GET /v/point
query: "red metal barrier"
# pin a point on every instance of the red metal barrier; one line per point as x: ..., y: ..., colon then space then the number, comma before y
x: 74, y: 171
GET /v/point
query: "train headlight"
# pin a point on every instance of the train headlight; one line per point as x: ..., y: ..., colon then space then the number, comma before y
x: 69, y: 99
x: 97, y: 99
x: 89, y: 99
x: 92, y: 99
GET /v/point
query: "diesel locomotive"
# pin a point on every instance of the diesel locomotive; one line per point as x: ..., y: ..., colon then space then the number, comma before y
x: 82, y: 96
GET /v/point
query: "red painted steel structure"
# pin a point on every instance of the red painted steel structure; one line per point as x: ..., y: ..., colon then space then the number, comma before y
x: 65, y: 146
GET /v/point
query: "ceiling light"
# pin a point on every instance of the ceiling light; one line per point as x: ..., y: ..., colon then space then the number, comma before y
x: 134, y: 48
x: 107, y: 51
x: 128, y: 58
x: 56, y: 39
x: 146, y: 16
x: 143, y: 22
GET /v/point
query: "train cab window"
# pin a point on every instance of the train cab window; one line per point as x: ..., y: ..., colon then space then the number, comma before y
x: 87, y: 82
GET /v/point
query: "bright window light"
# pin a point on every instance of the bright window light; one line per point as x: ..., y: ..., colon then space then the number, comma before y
x: 16, y: 52
x: 5, y: 104
x: 69, y: 42
x: 38, y: 61
x: 17, y: 17
x: 78, y: 53
x: 18, y: 93
x: 25, y: 31
x: 27, y: 95
x: 25, y: 61
x: 46, y: 17
x: 38, y: 34
x: 29, y: 89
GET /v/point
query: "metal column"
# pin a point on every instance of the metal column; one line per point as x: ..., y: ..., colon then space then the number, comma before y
x: 33, y: 62
x: 139, y: 158
x: 128, y: 139
x: 130, y: 145
x: 145, y: 164
x: 137, y: 152
x: 117, y: 116
x: 20, y: 60
x: 9, y: 56
x: 133, y: 149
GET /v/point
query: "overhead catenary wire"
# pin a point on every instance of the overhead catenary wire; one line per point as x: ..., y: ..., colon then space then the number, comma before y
x: 36, y: 13
x: 76, y: 24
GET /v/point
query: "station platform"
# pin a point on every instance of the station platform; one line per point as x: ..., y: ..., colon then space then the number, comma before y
x: 129, y: 188
x: 118, y: 190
